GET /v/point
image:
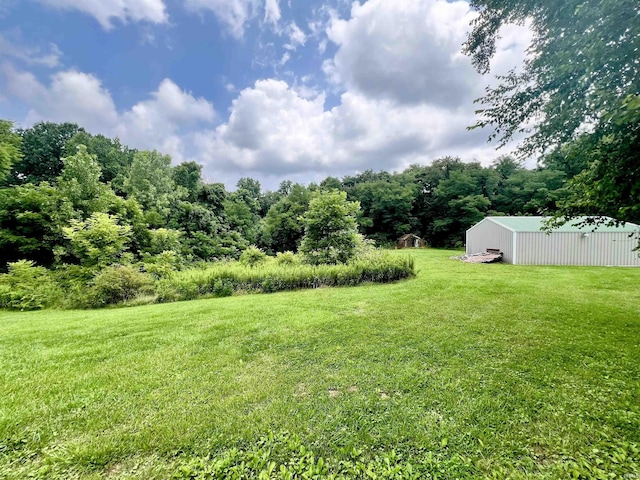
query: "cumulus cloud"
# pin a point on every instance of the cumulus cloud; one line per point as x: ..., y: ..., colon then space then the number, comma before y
x: 407, y: 51
x: 259, y: 136
x: 71, y: 96
x: 407, y: 97
x: 274, y: 132
x: 105, y: 11
x: 161, y: 122
x: 48, y: 57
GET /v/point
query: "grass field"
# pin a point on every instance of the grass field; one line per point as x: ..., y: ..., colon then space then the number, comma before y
x: 466, y: 371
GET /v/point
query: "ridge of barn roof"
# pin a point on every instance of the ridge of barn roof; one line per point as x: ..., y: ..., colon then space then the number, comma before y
x: 535, y: 224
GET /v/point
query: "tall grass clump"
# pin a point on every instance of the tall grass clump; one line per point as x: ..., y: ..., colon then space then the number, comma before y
x: 223, y: 279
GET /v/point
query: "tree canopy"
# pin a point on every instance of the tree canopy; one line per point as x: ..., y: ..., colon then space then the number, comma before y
x: 579, y: 88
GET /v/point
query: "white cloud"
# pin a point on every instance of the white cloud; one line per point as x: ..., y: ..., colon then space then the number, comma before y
x: 162, y: 122
x: 259, y: 135
x: 272, y: 12
x: 406, y: 50
x: 49, y: 57
x: 72, y: 96
x: 296, y: 37
x: 285, y: 58
x: 235, y: 14
x: 105, y: 11
x: 273, y: 131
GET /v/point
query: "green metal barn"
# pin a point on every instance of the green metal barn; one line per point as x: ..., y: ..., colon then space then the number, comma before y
x: 522, y: 242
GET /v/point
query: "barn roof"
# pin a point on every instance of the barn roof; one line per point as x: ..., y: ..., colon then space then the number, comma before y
x: 534, y: 224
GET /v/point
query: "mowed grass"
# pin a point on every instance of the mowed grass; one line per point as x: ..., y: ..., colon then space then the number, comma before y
x: 494, y: 370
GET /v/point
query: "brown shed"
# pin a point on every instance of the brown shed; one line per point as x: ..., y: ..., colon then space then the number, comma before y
x: 411, y: 241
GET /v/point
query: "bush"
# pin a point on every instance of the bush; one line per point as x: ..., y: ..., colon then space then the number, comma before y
x: 287, y: 258
x: 27, y: 287
x: 253, y: 256
x: 163, y: 264
x: 119, y: 284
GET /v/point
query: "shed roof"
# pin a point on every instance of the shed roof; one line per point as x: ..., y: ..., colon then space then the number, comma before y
x: 535, y: 224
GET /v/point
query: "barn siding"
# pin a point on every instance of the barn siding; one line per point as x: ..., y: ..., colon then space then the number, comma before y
x: 488, y: 234
x: 572, y: 248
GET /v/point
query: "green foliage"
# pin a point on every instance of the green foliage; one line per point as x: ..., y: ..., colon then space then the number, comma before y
x: 610, y: 185
x: 452, y: 197
x: 581, y: 74
x: 43, y: 147
x: 212, y: 196
x: 163, y: 264
x: 129, y: 212
x: 283, y: 225
x: 188, y: 176
x: 285, y: 457
x: 26, y: 287
x: 253, y: 256
x: 249, y: 187
x: 80, y: 183
x: 98, y: 241
x: 377, y: 267
x: 150, y: 181
x: 9, y: 148
x: 241, y: 214
x: 287, y: 258
x: 31, y: 221
x: 386, y: 208
x: 118, y: 284
x: 331, y: 231
x: 163, y: 239
x: 114, y: 158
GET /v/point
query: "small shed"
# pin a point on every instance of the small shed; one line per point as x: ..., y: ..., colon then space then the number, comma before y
x: 411, y: 241
x: 522, y: 242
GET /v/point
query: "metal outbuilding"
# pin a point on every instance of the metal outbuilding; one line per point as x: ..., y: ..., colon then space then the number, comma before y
x: 522, y: 242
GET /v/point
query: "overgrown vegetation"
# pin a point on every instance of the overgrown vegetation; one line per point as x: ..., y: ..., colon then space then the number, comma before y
x: 71, y: 198
x: 27, y: 287
x: 225, y: 278
x: 436, y: 376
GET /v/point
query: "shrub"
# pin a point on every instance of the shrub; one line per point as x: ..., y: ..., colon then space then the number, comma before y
x: 119, y: 284
x: 26, y: 287
x: 287, y: 258
x: 253, y: 256
x: 99, y: 240
x: 163, y: 264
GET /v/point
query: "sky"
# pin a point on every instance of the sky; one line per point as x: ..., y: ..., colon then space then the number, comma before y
x: 268, y: 89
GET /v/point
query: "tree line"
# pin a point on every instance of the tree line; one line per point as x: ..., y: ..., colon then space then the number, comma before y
x: 70, y: 197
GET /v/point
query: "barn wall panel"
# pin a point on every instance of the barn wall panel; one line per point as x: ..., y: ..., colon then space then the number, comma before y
x: 574, y: 248
x: 488, y: 234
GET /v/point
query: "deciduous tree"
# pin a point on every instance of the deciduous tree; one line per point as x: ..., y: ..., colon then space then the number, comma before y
x: 331, y: 230
x: 581, y: 75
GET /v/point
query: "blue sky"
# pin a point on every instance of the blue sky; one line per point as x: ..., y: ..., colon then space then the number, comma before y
x: 273, y: 89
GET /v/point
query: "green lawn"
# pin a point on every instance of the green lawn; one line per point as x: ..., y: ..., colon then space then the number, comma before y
x: 465, y: 371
